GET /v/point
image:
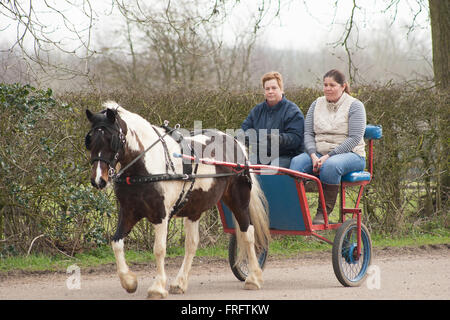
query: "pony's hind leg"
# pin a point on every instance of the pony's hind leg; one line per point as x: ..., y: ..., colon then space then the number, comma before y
x: 158, y: 289
x: 254, y: 279
x: 239, y: 198
x: 245, y: 235
x: 180, y: 284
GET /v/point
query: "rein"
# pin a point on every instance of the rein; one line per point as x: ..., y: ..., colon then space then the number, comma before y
x: 185, y: 193
x: 116, y: 177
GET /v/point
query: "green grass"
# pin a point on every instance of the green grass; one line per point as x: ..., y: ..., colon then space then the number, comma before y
x: 437, y: 236
x: 285, y: 246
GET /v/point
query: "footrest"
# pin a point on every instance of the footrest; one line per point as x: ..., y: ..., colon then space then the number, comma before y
x: 356, y: 176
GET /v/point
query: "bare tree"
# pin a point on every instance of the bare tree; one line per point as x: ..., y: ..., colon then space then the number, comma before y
x: 439, y: 19
x: 440, y: 30
x: 37, y: 39
x: 184, y: 44
x: 69, y: 31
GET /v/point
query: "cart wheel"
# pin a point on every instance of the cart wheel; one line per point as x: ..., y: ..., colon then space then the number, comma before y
x: 241, y: 270
x: 350, y: 270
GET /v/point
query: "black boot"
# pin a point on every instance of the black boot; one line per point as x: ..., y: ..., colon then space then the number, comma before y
x: 330, y: 192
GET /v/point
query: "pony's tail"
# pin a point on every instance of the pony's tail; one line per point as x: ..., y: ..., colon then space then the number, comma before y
x: 259, y: 217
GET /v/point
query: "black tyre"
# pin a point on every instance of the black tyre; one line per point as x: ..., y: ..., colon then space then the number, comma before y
x: 350, y: 269
x: 241, y: 270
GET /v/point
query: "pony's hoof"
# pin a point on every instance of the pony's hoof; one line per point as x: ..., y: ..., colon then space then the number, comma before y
x: 251, y: 285
x: 176, y: 289
x: 157, y: 294
x: 129, y: 282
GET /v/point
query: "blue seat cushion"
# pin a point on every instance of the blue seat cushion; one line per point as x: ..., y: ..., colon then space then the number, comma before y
x: 373, y: 132
x: 356, y: 176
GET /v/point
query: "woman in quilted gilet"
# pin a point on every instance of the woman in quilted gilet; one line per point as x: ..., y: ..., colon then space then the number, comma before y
x: 334, y: 138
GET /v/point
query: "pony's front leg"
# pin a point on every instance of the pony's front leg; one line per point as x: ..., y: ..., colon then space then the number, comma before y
x: 180, y: 284
x: 128, y: 279
x: 158, y: 289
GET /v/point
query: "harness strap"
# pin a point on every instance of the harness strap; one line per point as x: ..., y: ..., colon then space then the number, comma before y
x: 171, y: 177
x: 139, y: 156
x: 185, y: 146
x: 101, y: 159
x: 184, y: 195
x: 166, y: 152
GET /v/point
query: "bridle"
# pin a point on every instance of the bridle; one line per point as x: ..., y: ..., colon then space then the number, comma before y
x: 117, y: 143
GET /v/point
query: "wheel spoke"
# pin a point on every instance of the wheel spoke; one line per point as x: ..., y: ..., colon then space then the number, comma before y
x: 351, y: 267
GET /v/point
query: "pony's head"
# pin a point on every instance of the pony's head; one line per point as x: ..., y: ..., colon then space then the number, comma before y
x: 105, y: 141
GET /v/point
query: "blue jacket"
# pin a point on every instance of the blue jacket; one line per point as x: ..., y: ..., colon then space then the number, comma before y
x: 285, y: 116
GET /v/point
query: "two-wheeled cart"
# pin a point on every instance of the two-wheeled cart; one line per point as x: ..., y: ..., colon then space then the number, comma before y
x: 290, y: 215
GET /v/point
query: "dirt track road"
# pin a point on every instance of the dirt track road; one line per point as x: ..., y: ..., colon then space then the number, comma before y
x: 419, y: 273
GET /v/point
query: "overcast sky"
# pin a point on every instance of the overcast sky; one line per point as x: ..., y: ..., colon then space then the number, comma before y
x: 302, y: 25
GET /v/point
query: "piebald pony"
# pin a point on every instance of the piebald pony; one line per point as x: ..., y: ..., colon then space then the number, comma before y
x: 118, y: 136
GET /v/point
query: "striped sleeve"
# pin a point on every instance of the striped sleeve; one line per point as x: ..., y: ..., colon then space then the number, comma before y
x: 310, y: 142
x: 356, y: 128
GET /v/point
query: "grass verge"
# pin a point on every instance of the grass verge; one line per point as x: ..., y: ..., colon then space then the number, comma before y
x: 281, y: 246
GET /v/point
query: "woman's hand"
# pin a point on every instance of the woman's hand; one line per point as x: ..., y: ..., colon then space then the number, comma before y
x: 318, y: 162
x: 315, y: 162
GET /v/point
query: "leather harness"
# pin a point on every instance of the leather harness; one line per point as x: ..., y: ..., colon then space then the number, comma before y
x: 189, y: 171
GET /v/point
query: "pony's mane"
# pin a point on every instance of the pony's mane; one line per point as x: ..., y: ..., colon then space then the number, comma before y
x: 136, y: 124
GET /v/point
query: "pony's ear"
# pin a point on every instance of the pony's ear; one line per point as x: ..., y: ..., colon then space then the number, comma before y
x: 89, y: 115
x: 111, y: 115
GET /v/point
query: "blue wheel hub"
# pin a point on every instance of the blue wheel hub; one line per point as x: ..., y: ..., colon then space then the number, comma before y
x: 349, y: 254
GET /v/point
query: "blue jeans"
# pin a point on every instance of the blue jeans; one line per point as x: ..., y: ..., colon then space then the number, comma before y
x: 333, y: 169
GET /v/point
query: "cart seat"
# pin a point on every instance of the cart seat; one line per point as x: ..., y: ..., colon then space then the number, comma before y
x: 372, y: 132
x: 356, y: 176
